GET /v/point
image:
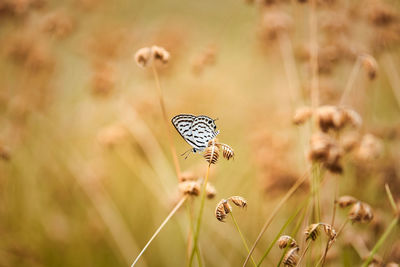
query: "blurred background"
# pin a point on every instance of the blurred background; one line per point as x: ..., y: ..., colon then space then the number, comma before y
x: 86, y: 174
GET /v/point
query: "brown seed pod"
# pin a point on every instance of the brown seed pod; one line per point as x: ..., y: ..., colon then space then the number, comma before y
x: 335, y: 118
x: 222, y: 209
x: 345, y: 201
x: 211, y: 154
x: 143, y: 56
x: 227, y: 151
x: 329, y: 231
x: 312, y: 231
x: 361, y: 212
x: 324, y: 149
x: 239, y: 201
x: 189, y: 188
x: 286, y: 241
x: 302, y: 115
x: 159, y: 53
x: 291, y: 257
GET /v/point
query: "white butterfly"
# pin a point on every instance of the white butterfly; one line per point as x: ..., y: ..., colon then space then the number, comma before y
x: 196, y: 130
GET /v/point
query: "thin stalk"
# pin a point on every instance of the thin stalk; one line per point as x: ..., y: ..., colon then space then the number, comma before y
x: 190, y: 235
x: 315, y: 184
x: 295, y: 231
x: 241, y: 236
x: 392, y: 75
x: 330, y: 244
x: 334, y: 202
x: 314, y: 54
x: 165, y: 119
x: 274, y: 212
x: 289, y: 64
x: 198, y: 225
x: 294, y: 215
x: 304, y: 253
x: 160, y: 228
x: 391, y: 199
x: 350, y: 81
x: 381, y: 240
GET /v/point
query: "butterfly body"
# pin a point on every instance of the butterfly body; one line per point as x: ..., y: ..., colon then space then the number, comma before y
x: 195, y: 130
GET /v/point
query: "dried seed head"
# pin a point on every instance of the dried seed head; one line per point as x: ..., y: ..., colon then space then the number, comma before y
x: 238, y: 201
x: 329, y: 231
x: 210, y: 191
x: 291, y: 257
x: 222, y: 209
x: 211, y: 154
x: 345, y: 201
x: 335, y: 118
x: 312, y: 231
x: 227, y: 151
x: 302, y: 115
x: 286, y: 241
x: 370, y: 65
x: 143, y: 56
x: 187, y: 176
x: 191, y: 188
x: 370, y: 148
x: 361, y: 212
x: 159, y: 53
x: 325, y: 149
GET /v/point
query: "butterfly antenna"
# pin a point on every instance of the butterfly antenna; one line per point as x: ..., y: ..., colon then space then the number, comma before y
x: 186, y: 153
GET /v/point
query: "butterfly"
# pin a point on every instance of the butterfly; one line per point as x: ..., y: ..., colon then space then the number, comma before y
x: 196, y: 130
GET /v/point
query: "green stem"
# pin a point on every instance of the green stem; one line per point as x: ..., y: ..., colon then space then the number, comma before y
x: 198, y: 225
x: 295, y: 231
x: 274, y: 212
x: 391, y: 199
x: 381, y: 241
x: 189, y: 211
x: 241, y: 236
x: 281, y: 231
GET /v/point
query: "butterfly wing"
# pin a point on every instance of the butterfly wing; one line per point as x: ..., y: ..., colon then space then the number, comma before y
x: 183, y: 124
x: 203, y: 130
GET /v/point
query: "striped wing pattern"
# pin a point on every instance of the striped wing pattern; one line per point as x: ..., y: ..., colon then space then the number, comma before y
x: 196, y: 130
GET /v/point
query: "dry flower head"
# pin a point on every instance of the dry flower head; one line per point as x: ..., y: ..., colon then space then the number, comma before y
x: 147, y: 55
x: 361, y: 212
x: 291, y: 257
x: 238, y: 201
x: 286, y: 241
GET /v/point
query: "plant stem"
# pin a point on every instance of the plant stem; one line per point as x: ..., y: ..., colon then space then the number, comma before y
x: 198, y: 225
x: 294, y: 215
x: 391, y: 199
x: 290, y: 66
x: 394, y: 80
x: 381, y: 240
x: 160, y: 228
x: 241, y: 236
x: 350, y: 81
x: 314, y: 54
x: 304, y: 252
x: 190, y: 234
x: 165, y: 119
x: 274, y: 212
